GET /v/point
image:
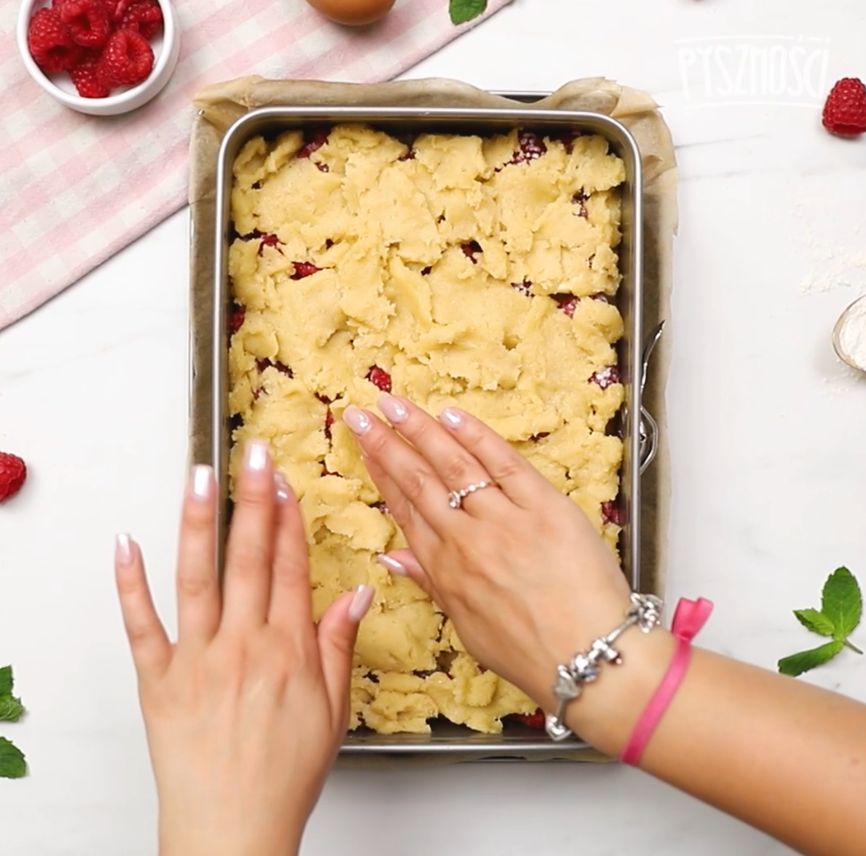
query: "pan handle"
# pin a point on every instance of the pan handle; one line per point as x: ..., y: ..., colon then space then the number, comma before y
x: 649, y: 428
x: 649, y: 438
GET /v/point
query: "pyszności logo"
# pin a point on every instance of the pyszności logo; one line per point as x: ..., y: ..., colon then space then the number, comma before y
x: 761, y: 69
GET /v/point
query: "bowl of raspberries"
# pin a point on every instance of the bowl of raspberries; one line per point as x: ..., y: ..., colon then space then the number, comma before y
x: 101, y: 57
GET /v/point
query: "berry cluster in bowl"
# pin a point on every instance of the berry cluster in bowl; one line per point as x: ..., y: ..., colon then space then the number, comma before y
x: 102, y: 44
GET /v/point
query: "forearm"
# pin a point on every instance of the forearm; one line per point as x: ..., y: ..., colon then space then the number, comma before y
x: 780, y: 754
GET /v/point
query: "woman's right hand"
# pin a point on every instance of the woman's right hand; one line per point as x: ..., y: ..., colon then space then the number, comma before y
x: 519, y: 568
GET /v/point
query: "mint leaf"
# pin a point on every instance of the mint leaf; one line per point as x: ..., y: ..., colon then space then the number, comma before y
x: 796, y: 664
x: 842, y: 602
x: 12, y: 763
x: 11, y: 709
x: 462, y: 11
x: 815, y: 621
x: 6, y: 681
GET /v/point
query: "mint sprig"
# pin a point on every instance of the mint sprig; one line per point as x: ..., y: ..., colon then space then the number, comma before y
x: 12, y: 762
x: 840, y: 613
x: 462, y: 11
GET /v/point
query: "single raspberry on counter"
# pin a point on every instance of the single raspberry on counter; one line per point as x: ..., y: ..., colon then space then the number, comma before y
x: 144, y: 17
x: 532, y: 720
x: 845, y: 110
x: 88, y: 22
x: 567, y: 303
x: 304, y: 269
x: 606, y: 377
x: 127, y: 58
x: 380, y: 378
x: 13, y: 474
x: 50, y: 42
x: 612, y: 513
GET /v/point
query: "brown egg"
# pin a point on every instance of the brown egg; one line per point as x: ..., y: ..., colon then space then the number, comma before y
x: 354, y: 13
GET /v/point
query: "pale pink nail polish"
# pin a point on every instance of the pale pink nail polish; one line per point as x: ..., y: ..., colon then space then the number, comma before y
x: 282, y: 488
x: 361, y: 601
x: 392, y: 565
x: 394, y: 409
x: 359, y: 422
x: 201, y: 483
x: 256, y: 456
x: 451, y: 417
x: 123, y: 549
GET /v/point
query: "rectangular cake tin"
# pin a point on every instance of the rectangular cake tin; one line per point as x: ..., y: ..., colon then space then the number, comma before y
x: 450, y: 741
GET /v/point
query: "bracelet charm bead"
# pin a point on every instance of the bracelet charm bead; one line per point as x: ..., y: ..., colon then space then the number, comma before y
x: 585, y: 667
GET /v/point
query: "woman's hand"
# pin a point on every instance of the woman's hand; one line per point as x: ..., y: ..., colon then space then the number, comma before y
x: 245, y: 712
x: 518, y: 568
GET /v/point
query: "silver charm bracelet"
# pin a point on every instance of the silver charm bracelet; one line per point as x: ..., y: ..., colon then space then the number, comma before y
x: 584, y: 668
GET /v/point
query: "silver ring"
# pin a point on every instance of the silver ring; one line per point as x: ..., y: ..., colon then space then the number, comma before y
x: 456, y: 497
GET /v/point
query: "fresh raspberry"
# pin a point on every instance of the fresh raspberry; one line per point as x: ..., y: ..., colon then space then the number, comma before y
x: 470, y: 249
x: 262, y: 364
x: 579, y: 199
x: 567, y: 139
x: 88, y: 22
x: 50, y: 42
x: 566, y: 302
x: 144, y: 17
x: 304, y: 269
x: 845, y: 110
x: 532, y: 720
x: 606, y: 377
x: 89, y: 78
x: 314, y: 141
x: 127, y: 58
x: 612, y: 513
x: 530, y: 147
x: 379, y: 377
x: 236, y: 318
x: 13, y: 473
x: 269, y: 240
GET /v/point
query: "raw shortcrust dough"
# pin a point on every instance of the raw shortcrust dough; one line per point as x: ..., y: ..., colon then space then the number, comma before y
x: 388, y: 229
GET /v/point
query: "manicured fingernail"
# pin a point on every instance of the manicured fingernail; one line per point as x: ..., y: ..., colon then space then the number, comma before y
x: 201, y: 483
x: 451, y: 417
x: 283, y: 489
x: 394, y: 409
x: 358, y: 421
x: 360, y: 602
x: 391, y: 564
x: 122, y: 549
x: 256, y: 456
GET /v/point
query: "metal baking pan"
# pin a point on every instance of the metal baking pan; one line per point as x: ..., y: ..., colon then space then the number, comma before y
x: 447, y: 741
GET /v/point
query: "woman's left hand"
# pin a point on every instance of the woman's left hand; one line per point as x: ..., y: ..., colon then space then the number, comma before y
x: 245, y: 712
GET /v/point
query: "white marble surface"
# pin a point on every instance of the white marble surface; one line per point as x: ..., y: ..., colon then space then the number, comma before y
x: 766, y: 430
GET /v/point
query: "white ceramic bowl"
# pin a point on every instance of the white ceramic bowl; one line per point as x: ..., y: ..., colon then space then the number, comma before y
x: 166, y: 49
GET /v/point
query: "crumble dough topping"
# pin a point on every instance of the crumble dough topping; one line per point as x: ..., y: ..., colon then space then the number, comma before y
x: 457, y: 270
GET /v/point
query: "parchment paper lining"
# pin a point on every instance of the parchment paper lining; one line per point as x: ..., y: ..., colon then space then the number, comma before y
x: 223, y: 103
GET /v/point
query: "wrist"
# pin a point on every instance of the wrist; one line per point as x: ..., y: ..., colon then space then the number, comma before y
x: 608, y: 709
x: 186, y: 839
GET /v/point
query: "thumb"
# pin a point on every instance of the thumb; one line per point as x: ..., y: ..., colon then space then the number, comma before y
x: 337, y: 631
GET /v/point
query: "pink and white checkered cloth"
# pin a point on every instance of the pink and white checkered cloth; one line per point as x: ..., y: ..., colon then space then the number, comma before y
x: 75, y: 189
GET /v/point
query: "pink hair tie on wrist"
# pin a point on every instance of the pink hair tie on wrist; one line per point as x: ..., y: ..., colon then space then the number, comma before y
x: 689, y: 617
